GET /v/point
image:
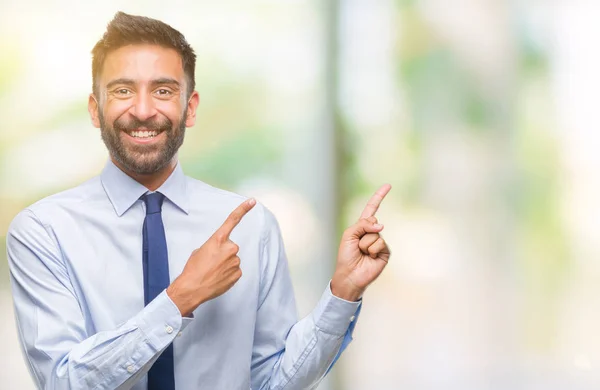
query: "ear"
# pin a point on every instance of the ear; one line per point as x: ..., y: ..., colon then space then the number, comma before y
x: 193, y: 102
x: 93, y: 110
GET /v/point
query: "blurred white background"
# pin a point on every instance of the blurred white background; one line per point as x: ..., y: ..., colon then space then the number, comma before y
x: 481, y: 114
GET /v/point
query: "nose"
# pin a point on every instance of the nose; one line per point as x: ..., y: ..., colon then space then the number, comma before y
x: 143, y: 107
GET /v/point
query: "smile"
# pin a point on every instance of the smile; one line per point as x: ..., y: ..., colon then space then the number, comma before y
x: 143, y: 134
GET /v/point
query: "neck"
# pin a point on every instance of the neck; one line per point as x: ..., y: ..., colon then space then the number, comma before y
x: 151, y: 181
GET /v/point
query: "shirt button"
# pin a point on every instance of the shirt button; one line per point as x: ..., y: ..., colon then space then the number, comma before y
x: 169, y: 329
x: 130, y: 369
x: 352, y: 318
x: 179, y: 334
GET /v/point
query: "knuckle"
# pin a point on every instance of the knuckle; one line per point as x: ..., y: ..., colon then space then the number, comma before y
x: 237, y: 274
x: 235, y: 216
x: 363, y: 244
x: 363, y: 223
x: 233, y: 248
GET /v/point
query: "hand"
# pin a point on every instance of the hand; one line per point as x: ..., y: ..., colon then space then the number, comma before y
x: 363, y: 253
x: 212, y: 269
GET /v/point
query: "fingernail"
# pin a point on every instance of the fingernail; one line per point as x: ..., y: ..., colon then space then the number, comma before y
x: 378, y: 226
x: 252, y: 202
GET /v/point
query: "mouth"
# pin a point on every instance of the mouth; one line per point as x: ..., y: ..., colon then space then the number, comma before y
x: 143, y: 136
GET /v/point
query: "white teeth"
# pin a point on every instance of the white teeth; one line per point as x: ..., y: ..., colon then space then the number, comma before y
x: 143, y: 134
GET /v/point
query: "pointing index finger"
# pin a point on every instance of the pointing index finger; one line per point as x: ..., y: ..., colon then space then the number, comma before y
x: 375, y: 201
x: 234, y: 218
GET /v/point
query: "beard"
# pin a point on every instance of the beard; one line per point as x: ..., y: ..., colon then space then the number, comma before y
x: 140, y: 158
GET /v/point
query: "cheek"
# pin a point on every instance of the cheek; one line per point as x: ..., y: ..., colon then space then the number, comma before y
x: 115, y: 109
x: 171, y: 110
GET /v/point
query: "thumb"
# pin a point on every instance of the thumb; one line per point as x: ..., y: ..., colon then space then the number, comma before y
x: 362, y: 227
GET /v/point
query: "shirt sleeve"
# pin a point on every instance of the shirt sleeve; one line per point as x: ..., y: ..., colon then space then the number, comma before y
x: 288, y: 354
x: 52, y: 330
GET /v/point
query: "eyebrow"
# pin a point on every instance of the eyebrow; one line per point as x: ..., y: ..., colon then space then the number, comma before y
x: 130, y: 82
x: 165, y: 81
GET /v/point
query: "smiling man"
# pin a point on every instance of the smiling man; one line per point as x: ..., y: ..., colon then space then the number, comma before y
x: 145, y: 278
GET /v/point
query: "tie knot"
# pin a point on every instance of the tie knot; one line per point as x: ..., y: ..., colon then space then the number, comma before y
x: 153, y: 202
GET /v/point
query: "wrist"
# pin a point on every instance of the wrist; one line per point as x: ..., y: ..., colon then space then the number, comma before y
x: 181, y: 298
x: 343, y: 288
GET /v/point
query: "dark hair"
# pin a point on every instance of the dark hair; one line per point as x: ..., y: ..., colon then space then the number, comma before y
x: 127, y: 29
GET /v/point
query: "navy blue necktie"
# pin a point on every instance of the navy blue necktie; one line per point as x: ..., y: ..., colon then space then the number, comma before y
x: 156, y: 278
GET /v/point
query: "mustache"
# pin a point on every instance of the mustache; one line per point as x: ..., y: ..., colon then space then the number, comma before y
x: 150, y: 125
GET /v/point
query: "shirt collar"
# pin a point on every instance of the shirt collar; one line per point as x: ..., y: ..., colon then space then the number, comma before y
x: 123, y: 191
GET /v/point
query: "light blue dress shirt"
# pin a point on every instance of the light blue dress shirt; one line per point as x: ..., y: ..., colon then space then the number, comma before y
x: 75, y: 262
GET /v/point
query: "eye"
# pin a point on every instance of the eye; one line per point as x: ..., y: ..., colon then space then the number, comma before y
x: 122, y: 92
x: 163, y: 92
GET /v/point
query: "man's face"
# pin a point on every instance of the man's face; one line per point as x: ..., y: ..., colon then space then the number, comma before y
x: 142, y: 108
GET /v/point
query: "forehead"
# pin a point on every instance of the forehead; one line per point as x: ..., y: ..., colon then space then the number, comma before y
x: 142, y: 63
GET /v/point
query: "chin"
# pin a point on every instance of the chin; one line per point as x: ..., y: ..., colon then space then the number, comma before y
x: 143, y: 166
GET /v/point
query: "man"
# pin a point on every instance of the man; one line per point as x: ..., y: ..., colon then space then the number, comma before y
x: 144, y: 278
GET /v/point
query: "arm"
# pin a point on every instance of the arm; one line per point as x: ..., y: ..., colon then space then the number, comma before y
x: 59, y: 351
x: 286, y: 354
x: 314, y: 343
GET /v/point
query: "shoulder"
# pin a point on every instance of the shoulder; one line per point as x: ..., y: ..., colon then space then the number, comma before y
x: 260, y: 217
x: 201, y: 190
x: 44, y: 210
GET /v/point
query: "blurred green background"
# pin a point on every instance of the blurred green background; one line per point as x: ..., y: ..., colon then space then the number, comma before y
x: 481, y: 114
